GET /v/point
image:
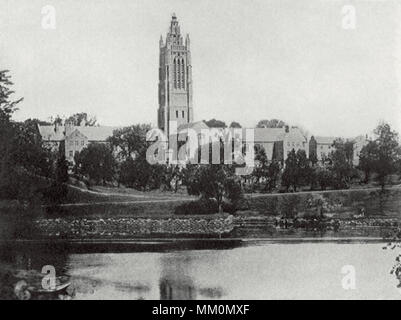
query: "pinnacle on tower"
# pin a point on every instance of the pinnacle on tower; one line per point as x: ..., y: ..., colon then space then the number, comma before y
x: 187, y: 41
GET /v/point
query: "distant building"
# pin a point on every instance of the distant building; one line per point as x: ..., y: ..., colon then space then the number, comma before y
x: 278, y: 142
x: 321, y: 147
x: 75, y: 138
x: 359, y: 143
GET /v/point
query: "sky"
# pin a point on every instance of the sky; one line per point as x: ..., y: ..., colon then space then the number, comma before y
x: 251, y: 60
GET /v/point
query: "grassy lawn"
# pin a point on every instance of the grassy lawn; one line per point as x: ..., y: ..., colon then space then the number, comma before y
x: 99, y: 194
x: 115, y: 209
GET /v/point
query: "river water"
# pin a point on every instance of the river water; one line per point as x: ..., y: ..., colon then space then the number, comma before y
x: 254, y: 270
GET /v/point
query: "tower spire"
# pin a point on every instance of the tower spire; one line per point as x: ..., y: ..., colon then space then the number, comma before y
x: 175, y: 78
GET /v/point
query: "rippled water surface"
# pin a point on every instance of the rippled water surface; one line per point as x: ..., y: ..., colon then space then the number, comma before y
x: 262, y: 270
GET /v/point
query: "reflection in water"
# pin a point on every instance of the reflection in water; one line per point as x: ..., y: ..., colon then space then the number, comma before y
x: 258, y: 271
x: 211, y: 293
x: 175, y: 283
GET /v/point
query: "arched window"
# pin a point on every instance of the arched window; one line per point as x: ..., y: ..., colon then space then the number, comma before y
x: 175, y: 73
x: 179, y: 73
x: 183, y: 74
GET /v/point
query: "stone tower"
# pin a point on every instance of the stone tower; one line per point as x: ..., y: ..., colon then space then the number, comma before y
x: 175, y: 79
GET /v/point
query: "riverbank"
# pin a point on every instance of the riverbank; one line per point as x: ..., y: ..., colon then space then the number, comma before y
x: 111, y: 228
x: 212, y: 227
x: 354, y: 213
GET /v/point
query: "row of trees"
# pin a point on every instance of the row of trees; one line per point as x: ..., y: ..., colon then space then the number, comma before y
x: 273, y: 123
x: 28, y: 171
x: 381, y: 158
x: 123, y: 161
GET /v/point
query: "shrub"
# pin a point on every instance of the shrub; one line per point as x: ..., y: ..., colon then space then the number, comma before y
x: 289, y: 205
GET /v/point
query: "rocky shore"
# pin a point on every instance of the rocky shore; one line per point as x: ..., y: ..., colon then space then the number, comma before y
x: 216, y: 226
x: 87, y: 228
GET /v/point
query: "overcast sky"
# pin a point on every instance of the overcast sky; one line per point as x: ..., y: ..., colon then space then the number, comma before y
x: 251, y: 60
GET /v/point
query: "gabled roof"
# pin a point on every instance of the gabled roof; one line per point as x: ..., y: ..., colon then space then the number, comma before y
x: 295, y: 134
x: 264, y: 135
x: 50, y: 133
x: 198, y: 125
x: 325, y: 140
x: 99, y: 133
x: 269, y: 134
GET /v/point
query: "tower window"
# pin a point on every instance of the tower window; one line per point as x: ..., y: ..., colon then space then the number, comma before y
x: 182, y: 74
x: 176, y: 114
x: 183, y: 114
x: 175, y: 73
x: 179, y: 74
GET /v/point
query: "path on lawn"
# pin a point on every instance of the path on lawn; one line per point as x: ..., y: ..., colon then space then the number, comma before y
x: 152, y: 198
x: 257, y: 195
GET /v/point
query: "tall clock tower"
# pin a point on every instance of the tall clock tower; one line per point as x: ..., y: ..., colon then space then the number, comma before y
x: 175, y: 79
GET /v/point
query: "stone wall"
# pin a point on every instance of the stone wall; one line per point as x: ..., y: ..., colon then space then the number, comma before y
x: 82, y: 228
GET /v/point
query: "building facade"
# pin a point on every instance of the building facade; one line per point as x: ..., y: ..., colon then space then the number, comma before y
x: 175, y: 79
x: 278, y: 142
x: 75, y: 138
x: 321, y: 147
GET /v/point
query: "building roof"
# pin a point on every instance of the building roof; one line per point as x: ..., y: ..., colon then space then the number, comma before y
x: 324, y: 140
x: 51, y: 133
x: 198, y: 125
x: 98, y: 133
x: 264, y: 135
x: 268, y: 134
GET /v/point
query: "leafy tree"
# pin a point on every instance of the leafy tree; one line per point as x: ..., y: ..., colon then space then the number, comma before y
x: 235, y: 124
x: 79, y: 119
x: 7, y: 129
x: 273, y: 123
x: 28, y: 152
x: 313, y: 158
x: 368, y: 159
x: 213, y: 123
x: 58, y: 189
x: 347, y: 147
x: 297, y: 171
x: 341, y: 164
x: 171, y: 176
x: 290, y: 174
x: 36, y: 122
x: 268, y: 172
x: 25, y: 165
x: 57, y: 120
x: 304, y: 169
x: 139, y: 174
x: 214, y: 181
x: 323, y: 177
x: 95, y: 161
x: 130, y: 142
x: 386, y: 157
x: 261, y: 162
x: 129, y: 145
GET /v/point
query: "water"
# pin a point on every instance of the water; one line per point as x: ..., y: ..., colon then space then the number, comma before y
x: 258, y: 270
